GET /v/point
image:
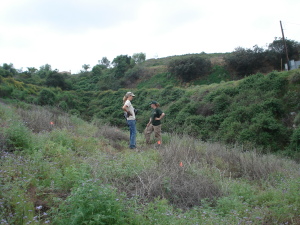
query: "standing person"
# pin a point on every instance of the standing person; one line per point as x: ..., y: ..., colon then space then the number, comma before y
x: 128, y: 108
x: 154, y: 123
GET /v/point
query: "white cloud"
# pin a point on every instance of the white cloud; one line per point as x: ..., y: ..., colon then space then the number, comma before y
x: 67, y: 33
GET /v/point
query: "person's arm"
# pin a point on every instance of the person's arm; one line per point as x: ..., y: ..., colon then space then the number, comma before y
x: 125, y: 108
x: 149, y: 122
x: 161, y: 116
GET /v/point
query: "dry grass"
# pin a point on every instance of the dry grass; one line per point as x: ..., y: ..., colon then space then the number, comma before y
x: 40, y: 119
x: 189, y: 171
x: 113, y: 134
x: 218, y: 61
x: 173, y: 178
x: 246, y: 164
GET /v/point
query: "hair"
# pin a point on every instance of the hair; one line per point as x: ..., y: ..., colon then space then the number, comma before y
x: 157, y: 104
x: 125, y: 98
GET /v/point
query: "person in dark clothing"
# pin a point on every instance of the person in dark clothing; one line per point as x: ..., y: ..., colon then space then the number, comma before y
x: 154, y: 124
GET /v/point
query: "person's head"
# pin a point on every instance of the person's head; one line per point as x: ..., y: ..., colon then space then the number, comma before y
x: 154, y: 104
x: 128, y: 96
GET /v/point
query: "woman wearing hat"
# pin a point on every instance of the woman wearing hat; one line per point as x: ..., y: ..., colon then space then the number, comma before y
x: 128, y: 108
x: 154, y: 123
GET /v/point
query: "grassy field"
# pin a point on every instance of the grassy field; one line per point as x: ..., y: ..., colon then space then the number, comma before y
x: 58, y: 169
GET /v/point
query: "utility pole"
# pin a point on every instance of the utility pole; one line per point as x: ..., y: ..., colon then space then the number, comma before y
x: 286, y: 52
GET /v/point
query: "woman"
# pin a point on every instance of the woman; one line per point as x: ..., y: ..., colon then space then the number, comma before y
x: 128, y: 108
x: 154, y: 123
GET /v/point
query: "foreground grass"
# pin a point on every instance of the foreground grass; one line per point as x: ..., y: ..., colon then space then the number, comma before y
x: 57, y: 169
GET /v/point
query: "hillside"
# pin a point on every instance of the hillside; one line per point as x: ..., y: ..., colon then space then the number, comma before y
x: 58, y: 169
x: 260, y: 110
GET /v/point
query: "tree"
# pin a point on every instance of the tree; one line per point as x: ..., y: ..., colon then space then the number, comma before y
x: 246, y: 61
x: 121, y: 64
x: 97, y: 70
x: 56, y: 79
x: 86, y: 67
x: 44, y: 71
x: 31, y: 70
x: 104, y: 62
x: 276, y: 51
x: 8, y: 70
x: 139, y: 57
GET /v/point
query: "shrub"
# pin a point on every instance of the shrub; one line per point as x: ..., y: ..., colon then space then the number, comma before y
x: 267, y: 131
x: 189, y: 68
x: 18, y: 136
x: 92, y: 203
x: 295, y: 78
x: 221, y: 103
x: 178, y: 183
x: 46, y: 97
x: 295, y: 140
x: 39, y: 119
x: 246, y: 61
x: 193, y: 125
x: 5, y: 91
x: 113, y: 134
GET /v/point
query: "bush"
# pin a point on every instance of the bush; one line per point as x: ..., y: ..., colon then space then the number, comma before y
x: 18, y: 137
x: 246, y: 61
x: 295, y: 78
x: 178, y: 183
x: 47, y: 97
x: 268, y: 132
x: 5, y: 91
x: 189, y: 68
x: 92, y: 203
x: 113, y: 134
x: 295, y: 140
x: 39, y: 119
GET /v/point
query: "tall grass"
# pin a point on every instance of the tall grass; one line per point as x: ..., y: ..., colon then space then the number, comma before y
x: 83, y: 173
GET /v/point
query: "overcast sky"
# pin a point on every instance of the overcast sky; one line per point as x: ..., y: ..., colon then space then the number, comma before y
x: 69, y: 33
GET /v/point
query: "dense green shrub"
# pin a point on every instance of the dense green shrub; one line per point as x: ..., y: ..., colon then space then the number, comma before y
x: 121, y: 64
x: 170, y: 94
x: 92, y: 203
x: 221, y: 103
x: 295, y: 140
x: 18, y: 137
x: 268, y: 132
x: 246, y: 61
x: 189, y: 68
x: 5, y: 90
x: 47, y: 97
x: 56, y: 79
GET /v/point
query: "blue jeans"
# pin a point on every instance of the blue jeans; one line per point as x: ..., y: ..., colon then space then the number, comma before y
x: 132, y: 128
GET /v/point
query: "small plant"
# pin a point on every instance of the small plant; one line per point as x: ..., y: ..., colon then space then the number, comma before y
x: 92, y: 203
x: 18, y: 137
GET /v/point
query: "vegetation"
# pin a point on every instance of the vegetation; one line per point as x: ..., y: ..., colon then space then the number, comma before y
x: 59, y: 169
x: 189, y: 68
x: 230, y: 151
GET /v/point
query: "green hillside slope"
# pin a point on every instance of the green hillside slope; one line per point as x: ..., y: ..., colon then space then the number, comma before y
x: 56, y: 168
x: 259, y: 110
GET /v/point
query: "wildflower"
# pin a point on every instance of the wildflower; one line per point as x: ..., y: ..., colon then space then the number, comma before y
x: 39, y: 207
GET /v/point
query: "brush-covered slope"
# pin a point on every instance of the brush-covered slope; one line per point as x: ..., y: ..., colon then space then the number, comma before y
x: 58, y: 169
